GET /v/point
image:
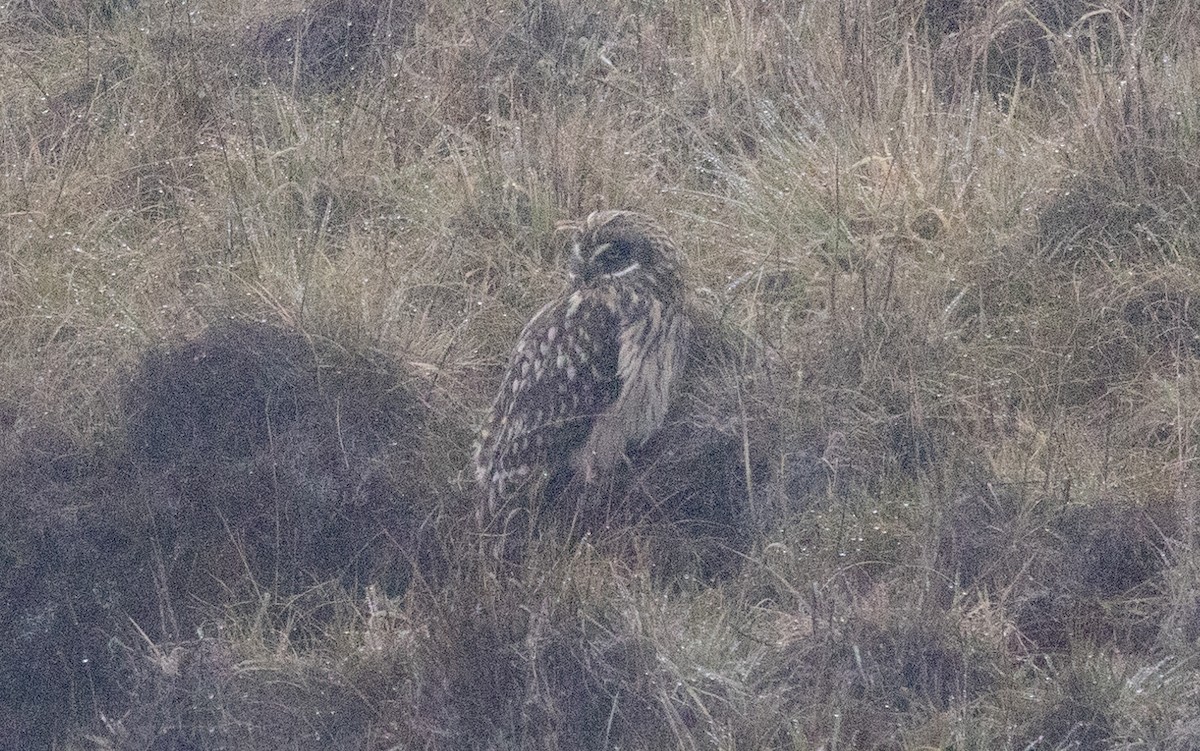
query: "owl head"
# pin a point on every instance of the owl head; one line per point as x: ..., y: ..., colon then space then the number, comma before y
x: 625, y: 247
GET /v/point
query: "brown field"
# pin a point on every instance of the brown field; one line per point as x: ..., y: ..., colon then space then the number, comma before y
x: 932, y: 485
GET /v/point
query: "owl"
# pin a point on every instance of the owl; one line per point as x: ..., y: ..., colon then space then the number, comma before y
x: 592, y: 374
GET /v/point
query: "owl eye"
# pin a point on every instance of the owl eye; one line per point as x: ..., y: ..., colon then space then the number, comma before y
x: 615, y: 258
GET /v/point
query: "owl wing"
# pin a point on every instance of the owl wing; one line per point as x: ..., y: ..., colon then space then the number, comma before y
x: 562, y: 374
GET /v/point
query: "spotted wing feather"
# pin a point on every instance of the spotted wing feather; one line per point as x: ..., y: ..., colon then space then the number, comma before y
x: 563, y: 373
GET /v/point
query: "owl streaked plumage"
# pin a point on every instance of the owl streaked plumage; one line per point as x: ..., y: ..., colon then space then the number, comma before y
x: 592, y: 373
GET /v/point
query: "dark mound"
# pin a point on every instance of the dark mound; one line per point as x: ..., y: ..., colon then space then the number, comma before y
x: 260, y: 467
x: 267, y: 454
x: 330, y: 43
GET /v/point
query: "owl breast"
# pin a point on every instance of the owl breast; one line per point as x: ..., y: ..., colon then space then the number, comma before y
x: 650, y: 355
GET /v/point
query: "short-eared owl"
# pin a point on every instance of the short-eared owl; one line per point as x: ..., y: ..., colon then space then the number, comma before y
x: 592, y: 372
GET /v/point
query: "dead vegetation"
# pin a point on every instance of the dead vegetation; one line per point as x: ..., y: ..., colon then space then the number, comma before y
x: 928, y: 484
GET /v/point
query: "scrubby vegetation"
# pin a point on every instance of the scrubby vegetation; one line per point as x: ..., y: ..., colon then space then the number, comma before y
x: 263, y: 266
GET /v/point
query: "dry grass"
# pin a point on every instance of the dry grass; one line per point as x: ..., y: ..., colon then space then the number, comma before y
x: 262, y: 268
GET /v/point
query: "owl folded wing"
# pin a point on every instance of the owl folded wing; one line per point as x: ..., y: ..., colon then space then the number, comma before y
x: 562, y: 375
